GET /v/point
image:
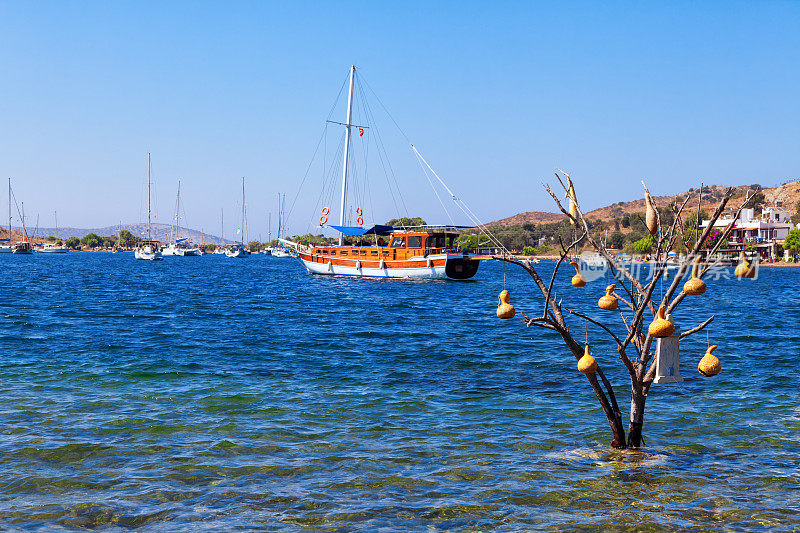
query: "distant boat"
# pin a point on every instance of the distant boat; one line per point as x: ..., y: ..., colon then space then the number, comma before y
x: 279, y: 250
x: 24, y: 246
x: 179, y: 247
x: 54, y: 247
x: 239, y: 250
x: 148, y: 250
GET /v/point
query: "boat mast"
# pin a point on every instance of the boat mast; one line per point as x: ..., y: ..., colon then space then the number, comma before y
x: 242, y: 229
x: 9, y: 211
x: 346, y: 148
x: 175, y: 234
x: 148, y: 196
x: 280, y: 215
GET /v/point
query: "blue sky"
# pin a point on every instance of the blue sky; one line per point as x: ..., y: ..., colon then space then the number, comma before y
x: 495, y: 95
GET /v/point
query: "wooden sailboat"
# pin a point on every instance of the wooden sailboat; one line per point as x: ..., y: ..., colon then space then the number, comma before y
x: 149, y: 249
x: 239, y: 250
x: 427, y: 252
x: 24, y: 246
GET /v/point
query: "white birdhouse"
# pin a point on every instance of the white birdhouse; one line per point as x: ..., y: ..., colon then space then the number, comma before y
x: 668, y: 358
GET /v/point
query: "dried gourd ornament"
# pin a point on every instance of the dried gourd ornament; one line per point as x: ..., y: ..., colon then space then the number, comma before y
x: 609, y: 301
x: 695, y: 286
x: 587, y: 363
x: 573, y: 204
x: 650, y: 218
x: 661, y: 327
x: 577, y: 279
x: 743, y: 269
x: 709, y: 364
x: 505, y: 309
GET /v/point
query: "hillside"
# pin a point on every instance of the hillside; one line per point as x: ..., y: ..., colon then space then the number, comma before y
x: 788, y: 193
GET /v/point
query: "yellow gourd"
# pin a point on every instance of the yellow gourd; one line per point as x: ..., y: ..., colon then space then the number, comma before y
x: 505, y: 309
x: 661, y: 327
x: 709, y: 364
x: 743, y: 269
x: 695, y: 286
x: 577, y: 279
x: 609, y: 301
x: 587, y: 364
x: 650, y: 219
x: 573, y: 204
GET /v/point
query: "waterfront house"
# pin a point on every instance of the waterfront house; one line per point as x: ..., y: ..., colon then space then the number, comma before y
x: 762, y: 233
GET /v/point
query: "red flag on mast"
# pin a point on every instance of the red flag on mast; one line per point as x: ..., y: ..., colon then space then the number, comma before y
x: 360, y: 132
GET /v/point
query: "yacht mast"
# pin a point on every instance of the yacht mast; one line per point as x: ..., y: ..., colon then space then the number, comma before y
x: 242, y: 228
x: 148, y: 196
x: 347, y: 126
x: 9, y: 211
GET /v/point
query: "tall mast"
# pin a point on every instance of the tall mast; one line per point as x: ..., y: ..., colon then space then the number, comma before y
x: 148, y: 196
x: 280, y: 215
x: 242, y: 229
x: 9, y: 211
x: 346, y: 148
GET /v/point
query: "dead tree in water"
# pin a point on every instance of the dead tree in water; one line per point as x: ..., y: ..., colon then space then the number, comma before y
x: 635, y: 343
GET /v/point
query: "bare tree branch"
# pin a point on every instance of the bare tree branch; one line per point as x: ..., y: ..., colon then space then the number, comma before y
x: 697, y: 328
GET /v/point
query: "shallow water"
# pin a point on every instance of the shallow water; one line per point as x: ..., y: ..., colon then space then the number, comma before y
x: 218, y: 394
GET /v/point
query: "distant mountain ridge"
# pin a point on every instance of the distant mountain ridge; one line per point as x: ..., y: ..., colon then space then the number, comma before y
x: 161, y: 232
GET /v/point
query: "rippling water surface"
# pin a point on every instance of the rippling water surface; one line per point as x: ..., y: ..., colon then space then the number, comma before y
x: 219, y: 394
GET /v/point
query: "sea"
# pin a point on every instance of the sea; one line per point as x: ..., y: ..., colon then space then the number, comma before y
x: 217, y: 394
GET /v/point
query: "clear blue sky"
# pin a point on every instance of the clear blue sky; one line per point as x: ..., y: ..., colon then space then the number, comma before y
x: 495, y: 94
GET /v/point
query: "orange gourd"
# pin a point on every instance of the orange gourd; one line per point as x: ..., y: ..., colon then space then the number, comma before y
x: 661, y: 327
x: 505, y: 309
x: 609, y: 301
x: 709, y: 365
x: 587, y: 363
x: 577, y: 279
x: 695, y: 286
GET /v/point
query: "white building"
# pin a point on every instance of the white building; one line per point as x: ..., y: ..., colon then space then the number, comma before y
x: 764, y: 232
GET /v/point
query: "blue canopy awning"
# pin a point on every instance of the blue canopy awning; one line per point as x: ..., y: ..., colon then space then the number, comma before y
x: 181, y: 240
x: 352, y: 231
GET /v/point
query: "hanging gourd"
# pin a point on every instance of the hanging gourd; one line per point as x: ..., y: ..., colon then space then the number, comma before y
x: 709, y: 365
x: 650, y: 218
x: 573, y: 204
x: 577, y: 279
x: 661, y: 327
x: 695, y: 286
x: 587, y: 364
x: 609, y: 301
x: 505, y: 309
x: 743, y: 269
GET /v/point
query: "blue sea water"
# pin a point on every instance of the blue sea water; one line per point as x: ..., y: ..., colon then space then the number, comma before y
x: 219, y: 394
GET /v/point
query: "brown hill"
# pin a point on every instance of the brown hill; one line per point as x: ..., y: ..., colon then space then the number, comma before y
x: 788, y: 194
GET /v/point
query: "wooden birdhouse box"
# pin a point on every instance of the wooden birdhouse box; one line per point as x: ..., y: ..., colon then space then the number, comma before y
x: 668, y: 358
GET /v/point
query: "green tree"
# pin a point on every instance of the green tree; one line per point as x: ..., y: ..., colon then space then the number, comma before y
x: 528, y: 250
x: 626, y: 221
x: 92, y: 240
x: 644, y: 245
x: 792, y: 242
x: 72, y: 242
x: 616, y: 224
x: 50, y: 238
x: 617, y: 240
x: 126, y: 238
x: 406, y: 221
x: 209, y: 247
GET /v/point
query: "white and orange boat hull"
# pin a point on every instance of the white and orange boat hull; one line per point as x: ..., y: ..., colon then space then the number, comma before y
x: 439, y: 266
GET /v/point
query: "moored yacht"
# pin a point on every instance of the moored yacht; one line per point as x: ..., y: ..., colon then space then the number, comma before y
x: 148, y: 250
